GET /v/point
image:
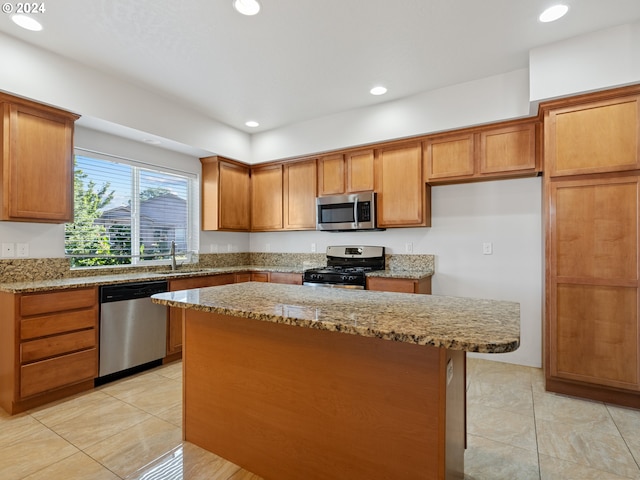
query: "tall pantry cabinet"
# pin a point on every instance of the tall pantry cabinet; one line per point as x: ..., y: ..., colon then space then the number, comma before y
x: 592, y: 214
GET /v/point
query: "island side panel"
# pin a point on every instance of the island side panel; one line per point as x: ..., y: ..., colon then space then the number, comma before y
x: 290, y: 402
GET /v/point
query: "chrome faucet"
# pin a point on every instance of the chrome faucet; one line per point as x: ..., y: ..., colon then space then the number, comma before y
x: 173, y: 255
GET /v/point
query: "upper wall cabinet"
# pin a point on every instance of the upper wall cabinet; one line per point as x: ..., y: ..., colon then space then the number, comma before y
x: 266, y: 198
x: 348, y: 173
x: 601, y: 136
x: 403, y: 198
x: 299, y: 195
x: 225, y: 195
x: 37, y: 162
x: 483, y: 154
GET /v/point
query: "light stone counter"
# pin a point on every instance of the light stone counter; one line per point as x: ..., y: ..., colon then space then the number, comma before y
x: 38, y: 285
x: 472, y: 325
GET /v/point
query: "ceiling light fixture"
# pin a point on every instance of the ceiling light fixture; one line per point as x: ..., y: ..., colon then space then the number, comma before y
x: 553, y: 13
x: 247, y: 7
x: 28, y: 23
x: 378, y: 91
x: 252, y: 124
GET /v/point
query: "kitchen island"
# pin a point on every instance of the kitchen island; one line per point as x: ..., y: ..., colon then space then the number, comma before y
x: 298, y: 382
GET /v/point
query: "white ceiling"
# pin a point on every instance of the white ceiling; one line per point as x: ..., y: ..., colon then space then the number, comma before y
x: 302, y: 59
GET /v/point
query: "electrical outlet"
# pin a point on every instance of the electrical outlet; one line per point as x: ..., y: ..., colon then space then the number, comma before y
x: 22, y: 249
x: 408, y: 248
x: 8, y: 250
x: 313, y: 248
x: 487, y: 248
x: 267, y: 247
x: 213, y: 248
x: 229, y: 248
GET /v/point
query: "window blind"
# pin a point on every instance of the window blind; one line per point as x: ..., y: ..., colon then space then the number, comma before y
x: 130, y: 213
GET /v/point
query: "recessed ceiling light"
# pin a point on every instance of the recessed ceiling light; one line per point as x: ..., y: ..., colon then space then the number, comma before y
x: 247, y: 7
x: 553, y: 13
x: 252, y: 124
x: 378, y: 91
x: 28, y: 23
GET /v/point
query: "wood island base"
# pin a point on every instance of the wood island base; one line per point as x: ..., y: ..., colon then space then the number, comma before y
x: 288, y: 402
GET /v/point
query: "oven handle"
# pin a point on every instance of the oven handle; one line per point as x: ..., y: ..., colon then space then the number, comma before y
x: 333, y: 285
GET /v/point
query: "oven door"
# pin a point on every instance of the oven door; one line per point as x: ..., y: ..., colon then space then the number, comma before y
x: 333, y: 285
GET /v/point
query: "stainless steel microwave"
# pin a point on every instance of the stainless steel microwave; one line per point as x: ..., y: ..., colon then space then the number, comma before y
x: 339, y: 213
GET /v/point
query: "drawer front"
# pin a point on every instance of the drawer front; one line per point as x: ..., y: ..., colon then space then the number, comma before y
x: 57, y: 372
x: 201, y: 282
x: 58, y: 323
x: 39, y: 303
x: 57, y: 345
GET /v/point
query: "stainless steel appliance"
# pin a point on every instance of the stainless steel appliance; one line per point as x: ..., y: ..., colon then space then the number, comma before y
x: 356, y: 211
x: 347, y: 266
x: 133, y: 330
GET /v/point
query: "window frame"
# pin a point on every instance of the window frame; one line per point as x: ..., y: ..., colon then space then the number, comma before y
x: 193, y: 214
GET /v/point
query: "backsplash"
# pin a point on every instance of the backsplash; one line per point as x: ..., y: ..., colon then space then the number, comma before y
x: 28, y: 269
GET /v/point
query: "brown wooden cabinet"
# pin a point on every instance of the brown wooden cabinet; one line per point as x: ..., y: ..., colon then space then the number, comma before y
x: 592, y: 211
x: 403, y: 198
x: 48, y: 346
x: 593, y: 137
x: 36, y: 145
x: 401, y: 285
x: 174, y: 326
x: 225, y: 195
x: 299, y: 195
x: 483, y: 154
x: 350, y: 172
x: 266, y: 198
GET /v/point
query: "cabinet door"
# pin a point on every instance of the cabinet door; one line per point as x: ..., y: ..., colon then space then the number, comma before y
x: 225, y: 195
x: 331, y: 175
x: 593, y: 301
x: 597, y: 137
x: 401, y: 190
x: 300, y: 195
x: 234, y: 197
x: 266, y: 198
x: 508, y: 150
x: 37, y: 170
x: 450, y: 157
x: 360, y: 171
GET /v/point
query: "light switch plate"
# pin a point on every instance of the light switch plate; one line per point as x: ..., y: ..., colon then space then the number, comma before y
x: 487, y: 248
x: 22, y: 249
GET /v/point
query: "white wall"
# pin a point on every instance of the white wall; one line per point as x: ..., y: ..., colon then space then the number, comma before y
x: 506, y: 213
x: 598, y: 60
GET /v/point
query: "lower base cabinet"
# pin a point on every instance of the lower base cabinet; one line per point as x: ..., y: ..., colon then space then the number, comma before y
x: 592, y: 331
x: 48, y: 346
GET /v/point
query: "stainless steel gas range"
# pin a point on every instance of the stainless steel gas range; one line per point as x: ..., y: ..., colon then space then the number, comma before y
x: 346, y: 267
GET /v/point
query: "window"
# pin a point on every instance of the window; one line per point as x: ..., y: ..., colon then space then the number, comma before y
x: 129, y: 213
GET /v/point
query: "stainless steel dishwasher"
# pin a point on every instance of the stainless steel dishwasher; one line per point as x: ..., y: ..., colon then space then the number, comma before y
x: 133, y: 330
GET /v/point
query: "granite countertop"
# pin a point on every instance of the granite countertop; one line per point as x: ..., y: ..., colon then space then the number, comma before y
x: 472, y: 325
x: 97, y: 280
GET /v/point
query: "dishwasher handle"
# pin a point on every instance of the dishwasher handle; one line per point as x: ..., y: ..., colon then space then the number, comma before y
x: 131, y: 291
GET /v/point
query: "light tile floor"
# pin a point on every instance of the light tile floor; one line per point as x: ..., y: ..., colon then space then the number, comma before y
x: 130, y: 430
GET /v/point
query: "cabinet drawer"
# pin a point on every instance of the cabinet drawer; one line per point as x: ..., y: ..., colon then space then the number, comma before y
x: 50, y: 302
x: 57, y: 372
x: 201, y: 282
x: 57, y: 323
x: 57, y: 345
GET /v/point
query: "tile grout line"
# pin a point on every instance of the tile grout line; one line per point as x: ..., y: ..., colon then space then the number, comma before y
x: 535, y: 427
